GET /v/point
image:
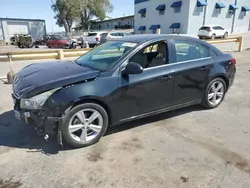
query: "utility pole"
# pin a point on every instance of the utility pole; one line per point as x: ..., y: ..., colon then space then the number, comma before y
x: 234, y: 16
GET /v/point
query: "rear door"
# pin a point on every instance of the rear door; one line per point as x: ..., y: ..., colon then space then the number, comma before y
x: 218, y: 30
x: 221, y: 29
x: 191, y: 67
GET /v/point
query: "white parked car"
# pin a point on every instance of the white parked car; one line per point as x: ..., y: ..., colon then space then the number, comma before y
x: 94, y: 38
x: 212, y: 32
x: 113, y: 35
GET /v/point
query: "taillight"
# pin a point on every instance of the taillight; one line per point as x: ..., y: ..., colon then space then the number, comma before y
x: 97, y: 38
x: 234, y: 61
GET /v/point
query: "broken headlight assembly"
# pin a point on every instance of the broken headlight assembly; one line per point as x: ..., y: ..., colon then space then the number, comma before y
x: 37, y: 101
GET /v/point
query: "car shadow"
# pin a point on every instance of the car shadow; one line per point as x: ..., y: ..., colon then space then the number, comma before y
x: 14, y: 134
x: 152, y: 119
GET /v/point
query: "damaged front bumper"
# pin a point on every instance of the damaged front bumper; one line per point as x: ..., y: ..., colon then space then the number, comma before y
x: 45, y: 125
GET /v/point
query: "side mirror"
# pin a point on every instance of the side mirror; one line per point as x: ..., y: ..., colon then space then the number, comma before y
x: 133, y: 68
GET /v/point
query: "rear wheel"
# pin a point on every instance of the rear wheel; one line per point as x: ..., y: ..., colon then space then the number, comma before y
x: 213, y: 36
x: 84, y: 125
x: 215, y: 93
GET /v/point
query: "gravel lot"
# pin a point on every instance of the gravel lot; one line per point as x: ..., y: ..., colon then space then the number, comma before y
x: 191, y: 147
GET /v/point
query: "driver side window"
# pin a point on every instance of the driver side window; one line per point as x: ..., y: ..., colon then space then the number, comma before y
x: 153, y: 55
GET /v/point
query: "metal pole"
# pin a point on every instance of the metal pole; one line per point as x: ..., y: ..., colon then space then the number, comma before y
x: 204, y: 15
x: 234, y: 16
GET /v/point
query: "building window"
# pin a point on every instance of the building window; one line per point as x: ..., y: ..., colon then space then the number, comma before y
x: 175, y: 30
x: 143, y: 15
x: 231, y: 11
x: 161, y: 12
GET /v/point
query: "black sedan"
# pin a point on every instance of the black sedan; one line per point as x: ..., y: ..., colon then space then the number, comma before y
x: 121, y: 80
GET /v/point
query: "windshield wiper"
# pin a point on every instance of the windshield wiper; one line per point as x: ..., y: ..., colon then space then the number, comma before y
x: 84, y: 65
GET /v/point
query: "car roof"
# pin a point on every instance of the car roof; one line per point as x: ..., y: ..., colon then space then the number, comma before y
x: 147, y: 37
x: 117, y: 32
x: 210, y: 25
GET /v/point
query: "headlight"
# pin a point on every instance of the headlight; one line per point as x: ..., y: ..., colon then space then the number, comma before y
x: 37, y: 101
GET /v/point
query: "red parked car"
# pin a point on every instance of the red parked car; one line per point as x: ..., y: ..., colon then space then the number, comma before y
x: 58, y: 42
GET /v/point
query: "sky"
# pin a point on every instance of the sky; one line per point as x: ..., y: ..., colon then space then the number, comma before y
x: 40, y: 9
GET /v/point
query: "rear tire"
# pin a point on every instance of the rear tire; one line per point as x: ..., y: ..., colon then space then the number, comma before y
x: 213, y: 36
x: 76, y: 138
x: 214, y: 94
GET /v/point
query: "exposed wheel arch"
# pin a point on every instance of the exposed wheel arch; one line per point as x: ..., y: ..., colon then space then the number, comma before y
x: 99, y: 102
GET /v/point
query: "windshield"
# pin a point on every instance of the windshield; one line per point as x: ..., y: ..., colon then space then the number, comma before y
x: 105, y: 56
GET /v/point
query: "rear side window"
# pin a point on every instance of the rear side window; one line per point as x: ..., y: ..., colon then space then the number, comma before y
x: 92, y: 34
x: 217, y: 27
x: 204, y: 51
x: 127, y: 34
x: 114, y: 34
x: 186, y: 50
x: 212, y: 53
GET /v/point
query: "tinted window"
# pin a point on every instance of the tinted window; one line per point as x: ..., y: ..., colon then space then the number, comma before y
x: 212, y: 53
x: 127, y: 34
x: 217, y: 27
x: 204, y: 28
x: 114, y: 34
x: 204, y: 51
x: 186, y: 50
x: 104, y: 34
x: 92, y: 34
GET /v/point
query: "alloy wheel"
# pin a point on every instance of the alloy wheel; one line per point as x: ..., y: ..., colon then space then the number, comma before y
x: 216, y: 93
x: 85, y: 125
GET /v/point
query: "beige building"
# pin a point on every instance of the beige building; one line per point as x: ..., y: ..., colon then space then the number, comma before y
x: 126, y: 22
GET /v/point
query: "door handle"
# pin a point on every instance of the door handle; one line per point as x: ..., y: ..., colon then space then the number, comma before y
x: 166, y: 78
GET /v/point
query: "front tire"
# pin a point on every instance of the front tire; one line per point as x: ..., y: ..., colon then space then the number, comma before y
x: 215, y: 93
x: 84, y: 125
x: 225, y: 35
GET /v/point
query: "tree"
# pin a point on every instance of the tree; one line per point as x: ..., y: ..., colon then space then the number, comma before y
x: 88, y: 9
x: 66, y: 14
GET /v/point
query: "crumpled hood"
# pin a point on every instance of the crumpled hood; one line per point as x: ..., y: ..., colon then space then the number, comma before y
x: 40, y: 77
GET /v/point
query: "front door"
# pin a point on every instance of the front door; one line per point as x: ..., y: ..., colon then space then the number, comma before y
x: 151, y: 90
x: 190, y: 71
